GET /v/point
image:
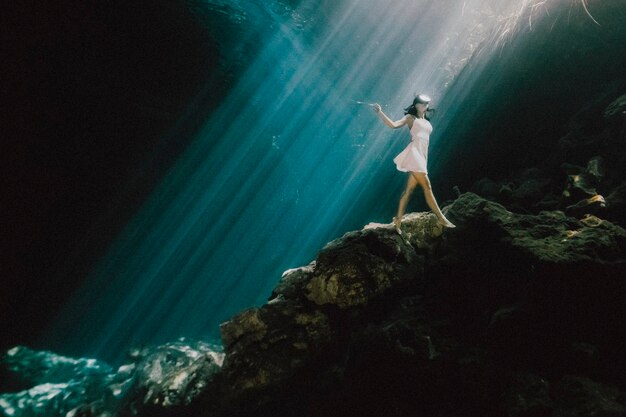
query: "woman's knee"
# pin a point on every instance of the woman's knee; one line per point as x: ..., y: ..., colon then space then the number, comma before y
x: 408, y: 191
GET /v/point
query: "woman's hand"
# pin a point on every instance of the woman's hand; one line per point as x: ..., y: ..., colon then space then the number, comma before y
x: 387, y: 120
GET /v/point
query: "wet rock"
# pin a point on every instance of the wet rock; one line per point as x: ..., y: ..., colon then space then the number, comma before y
x: 61, y: 384
x: 292, y: 283
x: 545, y: 237
x: 427, y: 336
x: 174, y: 374
x: 162, y: 377
x: 422, y: 230
x: 591, y: 205
x: 361, y: 265
x: 484, y: 310
x: 581, y: 185
x: 265, y: 346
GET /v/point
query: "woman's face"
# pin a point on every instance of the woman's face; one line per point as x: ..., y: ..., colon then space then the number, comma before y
x: 421, y: 107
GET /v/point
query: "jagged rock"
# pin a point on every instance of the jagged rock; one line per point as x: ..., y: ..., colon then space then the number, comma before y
x: 266, y: 345
x: 422, y: 230
x: 379, y: 318
x: 292, y: 282
x: 245, y: 327
x: 174, y: 374
x: 427, y: 335
x: 581, y: 185
x: 163, y: 376
x: 581, y: 191
x: 592, y: 205
x: 361, y: 265
x: 406, y: 331
x: 546, y: 237
x: 61, y: 384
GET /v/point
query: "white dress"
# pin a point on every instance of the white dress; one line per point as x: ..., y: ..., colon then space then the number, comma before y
x: 415, y: 156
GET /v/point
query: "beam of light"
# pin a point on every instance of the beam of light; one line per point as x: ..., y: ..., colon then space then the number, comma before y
x: 289, y: 161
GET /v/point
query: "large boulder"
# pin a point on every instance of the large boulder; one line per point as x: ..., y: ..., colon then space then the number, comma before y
x: 359, y: 266
x: 547, y: 237
x: 516, y: 314
x: 157, y: 379
x: 267, y: 345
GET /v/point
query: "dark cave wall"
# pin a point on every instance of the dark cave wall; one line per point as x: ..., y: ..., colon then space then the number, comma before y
x: 523, y: 103
x: 92, y: 92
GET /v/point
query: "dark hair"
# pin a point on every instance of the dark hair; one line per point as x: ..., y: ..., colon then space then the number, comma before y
x: 412, y: 110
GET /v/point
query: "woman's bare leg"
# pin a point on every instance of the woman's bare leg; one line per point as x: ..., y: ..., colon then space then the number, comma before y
x: 423, y: 180
x: 411, y: 183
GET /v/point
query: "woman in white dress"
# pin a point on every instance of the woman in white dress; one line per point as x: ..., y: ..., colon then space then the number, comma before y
x: 414, y: 158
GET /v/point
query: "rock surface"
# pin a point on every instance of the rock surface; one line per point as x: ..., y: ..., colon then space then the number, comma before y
x: 581, y: 174
x: 507, y: 314
x: 491, y: 311
x: 165, y: 377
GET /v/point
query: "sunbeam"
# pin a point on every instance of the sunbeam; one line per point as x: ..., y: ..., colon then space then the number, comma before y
x: 290, y: 160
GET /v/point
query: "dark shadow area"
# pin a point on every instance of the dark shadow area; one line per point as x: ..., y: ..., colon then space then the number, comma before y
x: 98, y: 100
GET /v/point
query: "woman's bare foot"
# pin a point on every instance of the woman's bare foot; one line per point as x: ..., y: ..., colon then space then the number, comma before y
x: 397, y: 223
x: 446, y: 223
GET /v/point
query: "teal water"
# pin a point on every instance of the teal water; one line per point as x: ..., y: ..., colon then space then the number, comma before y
x: 290, y: 160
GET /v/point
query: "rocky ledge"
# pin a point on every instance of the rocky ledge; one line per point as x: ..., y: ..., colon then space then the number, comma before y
x: 509, y: 314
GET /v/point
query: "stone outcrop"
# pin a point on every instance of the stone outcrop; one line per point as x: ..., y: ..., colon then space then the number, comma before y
x: 581, y: 174
x: 507, y: 314
x: 165, y: 377
x: 491, y: 309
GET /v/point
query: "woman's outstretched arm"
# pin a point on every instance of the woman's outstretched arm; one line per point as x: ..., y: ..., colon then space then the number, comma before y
x: 387, y: 120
